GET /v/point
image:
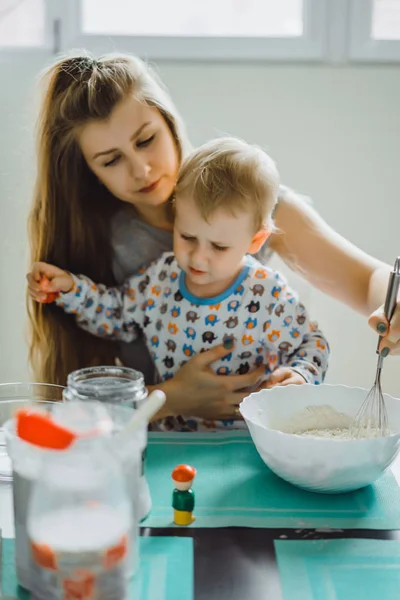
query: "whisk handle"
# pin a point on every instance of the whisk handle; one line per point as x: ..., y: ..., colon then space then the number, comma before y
x: 391, y: 294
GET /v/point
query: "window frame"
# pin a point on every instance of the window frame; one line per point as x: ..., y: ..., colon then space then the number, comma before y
x: 335, y: 31
x: 311, y: 46
x: 20, y: 53
x: 362, y: 47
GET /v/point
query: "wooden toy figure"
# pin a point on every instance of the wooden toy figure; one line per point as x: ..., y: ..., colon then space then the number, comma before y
x: 183, y: 496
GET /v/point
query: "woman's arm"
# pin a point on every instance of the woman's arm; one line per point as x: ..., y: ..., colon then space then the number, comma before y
x: 330, y: 262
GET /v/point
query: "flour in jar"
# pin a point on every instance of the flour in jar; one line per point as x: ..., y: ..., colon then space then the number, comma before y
x: 324, y: 422
x: 87, y: 547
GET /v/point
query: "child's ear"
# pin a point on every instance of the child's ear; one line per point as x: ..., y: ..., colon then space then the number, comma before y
x: 258, y: 240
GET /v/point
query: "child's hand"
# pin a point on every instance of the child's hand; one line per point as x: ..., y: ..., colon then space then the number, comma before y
x: 283, y: 376
x: 46, y: 281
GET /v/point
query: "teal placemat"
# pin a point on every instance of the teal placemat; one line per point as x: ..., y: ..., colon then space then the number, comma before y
x: 166, y: 570
x: 234, y: 487
x: 339, y: 569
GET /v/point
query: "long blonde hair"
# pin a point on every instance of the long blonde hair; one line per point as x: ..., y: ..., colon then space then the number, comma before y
x: 70, y: 220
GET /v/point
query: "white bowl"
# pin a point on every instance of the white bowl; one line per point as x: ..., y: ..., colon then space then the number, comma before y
x: 323, y: 465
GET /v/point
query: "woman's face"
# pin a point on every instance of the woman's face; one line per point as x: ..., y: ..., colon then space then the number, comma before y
x: 133, y: 153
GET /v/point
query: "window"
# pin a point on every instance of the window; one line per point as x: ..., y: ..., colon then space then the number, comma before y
x: 206, y: 29
x: 375, y: 30
x: 316, y: 30
x: 22, y: 23
x: 30, y: 27
x: 225, y: 18
x: 386, y: 20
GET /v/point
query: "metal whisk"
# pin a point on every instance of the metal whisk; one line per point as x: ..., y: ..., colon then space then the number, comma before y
x: 372, y: 415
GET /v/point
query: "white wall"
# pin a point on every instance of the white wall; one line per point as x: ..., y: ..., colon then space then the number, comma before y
x: 335, y: 133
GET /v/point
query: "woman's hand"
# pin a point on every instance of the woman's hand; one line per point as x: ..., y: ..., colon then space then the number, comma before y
x: 197, y: 391
x: 282, y: 376
x: 390, y: 333
x: 46, y: 281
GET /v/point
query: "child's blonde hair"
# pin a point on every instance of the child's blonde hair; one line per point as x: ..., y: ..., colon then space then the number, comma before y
x: 231, y: 174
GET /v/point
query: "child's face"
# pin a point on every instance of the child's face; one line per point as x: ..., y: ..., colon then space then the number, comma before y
x: 133, y: 154
x: 210, y: 253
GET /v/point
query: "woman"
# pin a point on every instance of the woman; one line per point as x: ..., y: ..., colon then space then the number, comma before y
x: 110, y: 145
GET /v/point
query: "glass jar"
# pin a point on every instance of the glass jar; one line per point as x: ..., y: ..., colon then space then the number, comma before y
x: 118, y: 386
x: 79, y: 522
x: 114, y: 385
